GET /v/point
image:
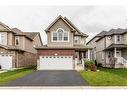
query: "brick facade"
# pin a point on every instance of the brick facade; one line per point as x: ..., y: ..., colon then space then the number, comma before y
x: 26, y: 59
x: 56, y: 52
x: 20, y: 58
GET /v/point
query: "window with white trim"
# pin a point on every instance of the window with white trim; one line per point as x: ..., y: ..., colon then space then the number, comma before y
x: 2, y: 38
x: 65, y: 36
x: 16, y: 40
x: 60, y: 35
x: 55, y: 36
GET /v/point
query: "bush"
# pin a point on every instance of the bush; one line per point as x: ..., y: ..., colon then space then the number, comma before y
x: 90, y: 65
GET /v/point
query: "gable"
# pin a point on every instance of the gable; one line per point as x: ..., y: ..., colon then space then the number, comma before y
x: 4, y: 27
x: 60, y: 24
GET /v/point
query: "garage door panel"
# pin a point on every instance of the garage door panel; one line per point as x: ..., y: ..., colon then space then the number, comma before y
x: 6, y: 62
x: 56, y: 62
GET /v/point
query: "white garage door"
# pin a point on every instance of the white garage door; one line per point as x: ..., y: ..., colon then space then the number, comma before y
x: 5, y: 62
x: 56, y: 63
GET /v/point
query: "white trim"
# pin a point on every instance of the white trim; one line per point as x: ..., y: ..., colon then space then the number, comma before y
x: 88, y: 54
x: 57, y: 36
x: 115, y: 52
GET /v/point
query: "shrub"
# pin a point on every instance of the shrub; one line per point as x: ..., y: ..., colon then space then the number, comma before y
x: 90, y: 65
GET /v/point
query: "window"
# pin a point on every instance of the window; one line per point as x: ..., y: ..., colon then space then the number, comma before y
x: 16, y: 41
x: 65, y: 36
x: 55, y: 36
x: 2, y: 38
x: 118, y: 38
x: 60, y: 35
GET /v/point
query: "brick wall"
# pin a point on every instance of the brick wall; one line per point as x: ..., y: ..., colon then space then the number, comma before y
x: 26, y: 59
x: 58, y: 52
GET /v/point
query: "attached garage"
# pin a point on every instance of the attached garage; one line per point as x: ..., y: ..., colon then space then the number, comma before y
x: 56, y: 63
x: 5, y: 62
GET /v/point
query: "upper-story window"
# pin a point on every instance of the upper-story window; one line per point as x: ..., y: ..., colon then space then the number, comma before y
x: 60, y: 36
x: 2, y: 38
x: 55, y: 36
x: 16, y: 40
x: 118, y: 38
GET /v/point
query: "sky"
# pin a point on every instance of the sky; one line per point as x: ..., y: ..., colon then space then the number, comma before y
x: 89, y: 19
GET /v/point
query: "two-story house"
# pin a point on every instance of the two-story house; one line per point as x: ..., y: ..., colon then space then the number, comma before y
x: 66, y: 46
x: 17, y: 47
x: 111, y: 48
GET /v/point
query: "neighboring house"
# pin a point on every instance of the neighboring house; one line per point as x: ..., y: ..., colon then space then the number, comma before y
x: 111, y: 49
x: 17, y: 47
x: 66, y: 46
x: 92, y: 43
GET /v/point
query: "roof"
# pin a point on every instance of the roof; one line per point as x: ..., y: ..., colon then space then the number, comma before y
x: 69, y: 23
x: 114, y: 32
x: 9, y: 47
x: 30, y: 35
x: 59, y: 17
x: 101, y: 34
x: 82, y: 47
x: 4, y: 27
x: 78, y: 31
x: 119, y: 46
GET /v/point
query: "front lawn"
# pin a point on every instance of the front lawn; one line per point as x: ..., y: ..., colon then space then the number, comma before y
x: 106, y: 77
x: 13, y: 75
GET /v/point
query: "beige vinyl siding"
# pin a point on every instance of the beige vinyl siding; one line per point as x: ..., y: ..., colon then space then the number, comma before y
x: 125, y: 38
x: 60, y: 24
x: 9, y: 38
x: 80, y: 40
x: 100, y: 46
x: 37, y: 41
x: 29, y: 46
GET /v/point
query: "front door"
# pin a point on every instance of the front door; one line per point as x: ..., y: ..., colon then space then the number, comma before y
x: 118, y: 53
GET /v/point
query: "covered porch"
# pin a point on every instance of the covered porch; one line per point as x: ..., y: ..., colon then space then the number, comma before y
x: 116, y: 56
x: 80, y: 56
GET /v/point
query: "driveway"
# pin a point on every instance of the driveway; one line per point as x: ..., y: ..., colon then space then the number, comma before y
x: 50, y: 78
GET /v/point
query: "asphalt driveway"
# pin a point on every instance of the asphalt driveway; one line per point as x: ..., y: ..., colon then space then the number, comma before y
x: 50, y: 78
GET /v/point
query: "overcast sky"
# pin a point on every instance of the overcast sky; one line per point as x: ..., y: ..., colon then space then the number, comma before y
x: 89, y: 19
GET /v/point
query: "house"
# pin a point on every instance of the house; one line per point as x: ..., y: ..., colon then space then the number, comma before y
x: 111, y: 48
x: 92, y: 43
x: 17, y: 47
x: 66, y: 46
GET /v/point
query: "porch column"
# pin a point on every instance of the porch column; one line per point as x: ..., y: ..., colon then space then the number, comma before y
x: 115, y: 52
x: 88, y: 54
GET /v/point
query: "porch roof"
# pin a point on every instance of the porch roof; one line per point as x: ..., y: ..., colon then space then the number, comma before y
x: 118, y: 46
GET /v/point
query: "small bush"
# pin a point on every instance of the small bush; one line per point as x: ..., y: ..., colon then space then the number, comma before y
x: 90, y: 65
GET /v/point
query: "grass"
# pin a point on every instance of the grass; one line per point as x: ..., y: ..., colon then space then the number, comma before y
x: 106, y: 77
x: 9, y: 76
